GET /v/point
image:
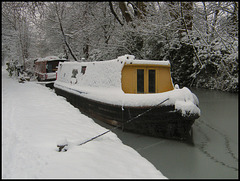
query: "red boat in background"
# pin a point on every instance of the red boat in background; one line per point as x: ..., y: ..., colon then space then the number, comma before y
x: 45, y: 68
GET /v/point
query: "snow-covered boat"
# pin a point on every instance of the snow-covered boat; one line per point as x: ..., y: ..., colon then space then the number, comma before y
x: 123, y: 89
x: 45, y: 68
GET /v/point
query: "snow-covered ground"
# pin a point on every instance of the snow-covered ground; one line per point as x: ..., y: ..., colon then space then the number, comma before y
x: 35, y: 120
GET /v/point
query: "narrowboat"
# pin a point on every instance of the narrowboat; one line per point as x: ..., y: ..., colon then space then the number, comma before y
x: 119, y: 91
x: 45, y: 68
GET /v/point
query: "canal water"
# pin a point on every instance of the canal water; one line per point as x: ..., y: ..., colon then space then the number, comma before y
x: 213, y: 151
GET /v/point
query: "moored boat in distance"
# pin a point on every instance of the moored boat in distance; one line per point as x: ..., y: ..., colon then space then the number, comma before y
x: 124, y: 89
x: 45, y: 68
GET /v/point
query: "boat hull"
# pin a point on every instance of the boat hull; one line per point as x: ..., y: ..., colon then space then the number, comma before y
x: 161, y: 121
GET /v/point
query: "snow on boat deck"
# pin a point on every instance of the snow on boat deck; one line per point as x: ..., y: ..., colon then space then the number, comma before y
x: 35, y: 119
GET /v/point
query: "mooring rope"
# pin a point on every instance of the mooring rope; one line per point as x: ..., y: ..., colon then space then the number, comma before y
x: 63, y: 147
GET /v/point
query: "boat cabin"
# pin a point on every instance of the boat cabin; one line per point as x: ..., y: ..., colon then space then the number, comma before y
x: 124, y: 73
x: 45, y: 69
x: 146, y: 78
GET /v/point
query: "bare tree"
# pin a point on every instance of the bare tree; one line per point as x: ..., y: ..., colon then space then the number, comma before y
x: 17, y: 15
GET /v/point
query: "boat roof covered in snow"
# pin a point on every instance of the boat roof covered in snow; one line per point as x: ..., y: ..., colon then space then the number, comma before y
x: 101, y: 74
x: 50, y: 58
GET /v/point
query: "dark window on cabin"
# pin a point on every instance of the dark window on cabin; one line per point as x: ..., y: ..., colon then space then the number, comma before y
x: 52, y: 66
x: 83, y: 69
x: 49, y: 68
x: 74, y: 73
x: 151, y: 81
x: 140, y: 80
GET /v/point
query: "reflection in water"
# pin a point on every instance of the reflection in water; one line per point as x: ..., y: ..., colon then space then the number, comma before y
x: 214, y: 149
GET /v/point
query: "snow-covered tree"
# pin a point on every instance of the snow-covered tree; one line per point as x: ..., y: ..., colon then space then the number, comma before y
x: 199, y: 38
x: 16, y: 28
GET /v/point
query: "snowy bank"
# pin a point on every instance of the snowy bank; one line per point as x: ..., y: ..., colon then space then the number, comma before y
x: 35, y: 119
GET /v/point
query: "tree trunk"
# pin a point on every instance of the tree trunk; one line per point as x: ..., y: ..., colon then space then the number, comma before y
x: 64, y: 37
x: 206, y: 20
x: 113, y: 12
x: 141, y: 9
x: 187, y: 15
x: 125, y: 12
x: 215, y: 17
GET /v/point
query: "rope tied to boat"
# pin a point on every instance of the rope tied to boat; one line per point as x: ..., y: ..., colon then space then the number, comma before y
x: 63, y: 147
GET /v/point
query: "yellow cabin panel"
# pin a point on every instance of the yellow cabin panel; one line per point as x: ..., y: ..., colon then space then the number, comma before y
x: 163, y: 80
x: 127, y: 80
x: 145, y: 81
